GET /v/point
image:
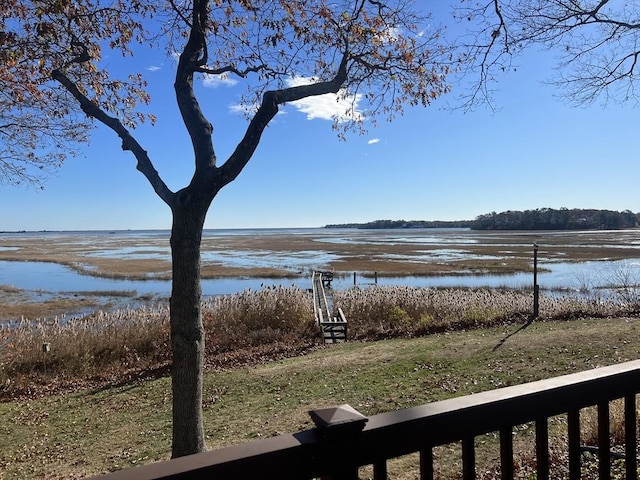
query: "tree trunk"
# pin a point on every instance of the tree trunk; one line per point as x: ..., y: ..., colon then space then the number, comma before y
x: 187, y: 333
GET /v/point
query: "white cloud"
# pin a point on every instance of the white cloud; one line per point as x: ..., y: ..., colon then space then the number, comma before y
x: 153, y: 68
x: 242, y: 109
x: 389, y: 35
x: 373, y: 140
x: 330, y: 106
x: 214, y: 81
x: 248, y: 110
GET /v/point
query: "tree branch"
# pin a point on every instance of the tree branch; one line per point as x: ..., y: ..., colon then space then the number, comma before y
x: 230, y: 69
x: 596, y: 41
x: 128, y: 141
x: 179, y: 13
x: 191, y: 60
x: 595, y: 11
x: 267, y: 110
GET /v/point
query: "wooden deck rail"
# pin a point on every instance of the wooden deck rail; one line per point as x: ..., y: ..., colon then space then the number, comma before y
x: 320, y: 303
x: 339, y: 453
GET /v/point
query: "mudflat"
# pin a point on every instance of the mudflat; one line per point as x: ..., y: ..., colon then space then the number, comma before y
x: 286, y: 254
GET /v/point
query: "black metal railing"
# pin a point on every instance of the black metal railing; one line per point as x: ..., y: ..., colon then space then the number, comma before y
x: 344, y: 440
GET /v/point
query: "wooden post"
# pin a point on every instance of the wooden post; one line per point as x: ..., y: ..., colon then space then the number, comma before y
x: 354, y: 278
x: 340, y: 424
x: 375, y: 277
x: 536, y: 288
x: 46, y: 346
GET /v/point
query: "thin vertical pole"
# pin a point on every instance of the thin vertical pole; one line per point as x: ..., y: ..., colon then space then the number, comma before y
x: 536, y: 289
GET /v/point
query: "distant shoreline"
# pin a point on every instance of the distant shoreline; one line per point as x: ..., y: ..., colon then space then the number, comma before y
x: 541, y: 219
x: 386, y: 224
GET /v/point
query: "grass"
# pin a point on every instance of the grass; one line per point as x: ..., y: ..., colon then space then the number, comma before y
x: 92, y: 431
x: 66, y: 412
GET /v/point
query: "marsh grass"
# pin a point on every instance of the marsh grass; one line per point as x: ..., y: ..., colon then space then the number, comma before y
x: 119, y: 343
x: 389, y: 311
x: 40, y: 305
x: 106, y: 293
x: 253, y: 325
x: 102, y: 344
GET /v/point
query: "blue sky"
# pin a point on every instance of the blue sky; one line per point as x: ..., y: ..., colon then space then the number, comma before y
x: 432, y: 163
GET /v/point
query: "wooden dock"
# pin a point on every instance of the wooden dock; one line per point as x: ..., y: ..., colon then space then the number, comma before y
x: 334, y: 329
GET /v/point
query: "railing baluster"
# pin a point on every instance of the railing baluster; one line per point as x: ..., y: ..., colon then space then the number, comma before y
x: 506, y: 453
x: 468, y: 458
x: 426, y: 464
x: 542, y: 449
x: 380, y: 470
x: 573, y: 427
x: 604, y: 442
x: 630, y: 437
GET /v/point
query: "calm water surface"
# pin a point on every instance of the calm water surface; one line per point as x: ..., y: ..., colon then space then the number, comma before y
x: 55, y: 278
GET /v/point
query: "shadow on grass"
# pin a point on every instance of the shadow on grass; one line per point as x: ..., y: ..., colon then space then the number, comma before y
x: 131, y: 380
x: 504, y: 340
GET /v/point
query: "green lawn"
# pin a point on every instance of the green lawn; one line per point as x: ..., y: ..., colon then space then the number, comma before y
x: 90, y: 432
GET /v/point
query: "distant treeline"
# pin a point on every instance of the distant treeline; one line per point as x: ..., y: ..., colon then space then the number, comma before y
x: 539, y: 219
x: 563, y: 219
x: 404, y: 224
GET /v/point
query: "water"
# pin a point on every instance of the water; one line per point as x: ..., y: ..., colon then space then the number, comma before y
x: 450, y: 243
x: 55, y: 278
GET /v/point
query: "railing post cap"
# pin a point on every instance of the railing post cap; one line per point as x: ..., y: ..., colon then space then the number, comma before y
x: 341, y: 420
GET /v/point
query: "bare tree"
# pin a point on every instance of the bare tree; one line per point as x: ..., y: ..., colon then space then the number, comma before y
x: 597, y: 43
x: 383, y: 52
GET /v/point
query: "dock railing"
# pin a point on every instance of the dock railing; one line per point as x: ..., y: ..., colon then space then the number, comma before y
x: 333, y: 329
x: 344, y: 440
